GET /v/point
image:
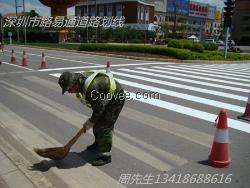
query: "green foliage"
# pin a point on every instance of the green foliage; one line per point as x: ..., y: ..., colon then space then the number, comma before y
x: 186, y: 43
x: 175, y: 44
x: 197, y: 47
x: 210, y: 46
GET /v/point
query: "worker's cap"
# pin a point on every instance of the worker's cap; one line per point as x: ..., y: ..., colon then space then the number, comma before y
x: 67, y: 80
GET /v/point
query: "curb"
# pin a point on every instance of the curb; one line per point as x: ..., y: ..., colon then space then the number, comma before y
x: 106, y: 54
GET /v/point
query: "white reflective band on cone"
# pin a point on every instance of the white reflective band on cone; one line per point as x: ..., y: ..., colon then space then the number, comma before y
x: 221, y: 136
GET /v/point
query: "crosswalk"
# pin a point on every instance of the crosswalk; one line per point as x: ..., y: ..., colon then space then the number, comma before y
x: 187, y: 90
x: 230, y: 86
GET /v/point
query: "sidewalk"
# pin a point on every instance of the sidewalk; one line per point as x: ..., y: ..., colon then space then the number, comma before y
x: 15, y: 170
x: 11, y: 176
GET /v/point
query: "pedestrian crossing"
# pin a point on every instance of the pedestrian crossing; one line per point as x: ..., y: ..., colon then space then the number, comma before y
x: 180, y: 83
x: 223, y: 86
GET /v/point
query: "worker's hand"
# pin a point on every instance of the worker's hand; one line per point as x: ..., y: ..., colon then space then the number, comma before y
x: 87, y: 125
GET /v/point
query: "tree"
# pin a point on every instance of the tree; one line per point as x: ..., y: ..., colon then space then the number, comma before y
x: 32, y: 13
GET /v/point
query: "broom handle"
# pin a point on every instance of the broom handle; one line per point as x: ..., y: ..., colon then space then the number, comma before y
x: 75, y: 138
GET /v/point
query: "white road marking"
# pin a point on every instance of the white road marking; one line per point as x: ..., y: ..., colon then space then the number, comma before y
x: 195, y: 77
x: 235, y: 124
x: 18, y: 66
x: 182, y: 86
x: 188, y: 80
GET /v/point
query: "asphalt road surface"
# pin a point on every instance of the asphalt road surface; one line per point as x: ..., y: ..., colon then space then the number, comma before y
x: 161, y: 141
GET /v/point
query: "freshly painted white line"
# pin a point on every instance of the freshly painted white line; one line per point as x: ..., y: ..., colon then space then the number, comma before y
x: 221, y: 70
x: 102, y: 66
x: 235, y: 124
x: 19, y: 66
x: 236, y: 75
x: 198, y: 72
x: 192, y: 98
x: 195, y: 77
x: 189, y: 81
x: 182, y: 86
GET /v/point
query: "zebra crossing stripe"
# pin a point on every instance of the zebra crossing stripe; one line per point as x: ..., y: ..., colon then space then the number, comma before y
x: 182, y: 86
x: 239, y: 72
x: 195, y: 77
x: 235, y: 124
x: 192, y: 98
x: 186, y: 80
x: 236, y: 75
x: 198, y: 72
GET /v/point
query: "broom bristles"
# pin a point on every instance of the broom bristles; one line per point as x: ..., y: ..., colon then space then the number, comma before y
x: 57, y: 153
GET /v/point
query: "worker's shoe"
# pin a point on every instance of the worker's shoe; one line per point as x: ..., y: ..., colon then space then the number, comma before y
x: 101, y: 160
x: 92, y: 147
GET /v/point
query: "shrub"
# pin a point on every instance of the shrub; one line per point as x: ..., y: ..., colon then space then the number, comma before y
x: 210, y: 46
x: 197, y: 47
x: 175, y: 44
x: 186, y: 44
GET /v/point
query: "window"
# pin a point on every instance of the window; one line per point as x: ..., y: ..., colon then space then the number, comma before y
x: 85, y: 11
x: 142, y: 13
x: 138, y: 12
x: 109, y: 10
x: 147, y: 14
x: 118, y: 10
x: 101, y: 11
x: 92, y: 11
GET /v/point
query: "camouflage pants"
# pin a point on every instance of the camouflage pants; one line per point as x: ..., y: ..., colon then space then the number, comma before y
x: 103, y: 129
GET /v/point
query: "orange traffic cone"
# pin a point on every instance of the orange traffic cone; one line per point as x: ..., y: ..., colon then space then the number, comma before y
x: 44, y: 64
x: 108, y: 67
x: 13, y: 57
x: 24, y: 60
x: 246, y: 115
x: 219, y: 156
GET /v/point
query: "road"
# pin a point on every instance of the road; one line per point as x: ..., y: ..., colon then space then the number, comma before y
x: 157, y: 142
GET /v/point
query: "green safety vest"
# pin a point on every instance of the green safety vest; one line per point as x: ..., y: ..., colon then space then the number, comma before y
x: 88, y: 82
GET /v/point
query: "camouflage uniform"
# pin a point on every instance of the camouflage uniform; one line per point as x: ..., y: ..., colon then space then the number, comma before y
x: 105, y: 110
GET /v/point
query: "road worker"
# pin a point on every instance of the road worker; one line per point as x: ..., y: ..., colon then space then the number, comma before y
x: 101, y: 92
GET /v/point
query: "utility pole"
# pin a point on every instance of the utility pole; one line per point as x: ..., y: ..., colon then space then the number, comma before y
x: 230, y: 4
x: 25, y: 36
x: 95, y: 17
x: 17, y: 29
x: 87, y: 25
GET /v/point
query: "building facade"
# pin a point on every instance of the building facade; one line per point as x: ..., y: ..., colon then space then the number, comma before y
x: 134, y: 11
x: 241, y: 22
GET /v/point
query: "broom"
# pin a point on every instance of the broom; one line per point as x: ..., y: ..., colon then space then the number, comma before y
x: 59, y: 153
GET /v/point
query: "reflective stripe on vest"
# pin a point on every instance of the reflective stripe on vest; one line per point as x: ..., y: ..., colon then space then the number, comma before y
x: 89, y: 81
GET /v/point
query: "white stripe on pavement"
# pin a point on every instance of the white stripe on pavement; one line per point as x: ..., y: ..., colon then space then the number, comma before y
x: 188, y: 80
x: 101, y: 66
x: 192, y: 98
x: 199, y: 72
x: 235, y: 124
x: 182, y: 86
x: 236, y: 75
x: 195, y: 77
x: 240, y: 72
x: 19, y: 66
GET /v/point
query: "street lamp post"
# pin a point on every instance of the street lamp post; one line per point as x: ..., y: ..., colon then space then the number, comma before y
x: 87, y: 25
x: 95, y: 17
x: 25, y: 36
x: 17, y: 29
